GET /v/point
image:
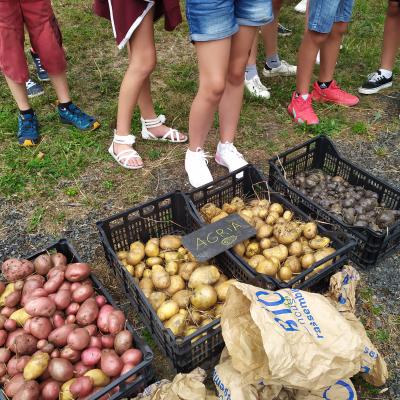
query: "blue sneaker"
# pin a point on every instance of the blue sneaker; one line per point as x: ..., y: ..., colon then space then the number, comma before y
x: 41, y: 72
x: 33, y: 88
x: 28, y: 130
x: 73, y: 115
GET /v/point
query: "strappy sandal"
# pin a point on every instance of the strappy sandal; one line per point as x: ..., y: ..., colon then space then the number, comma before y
x: 172, y: 136
x: 124, y: 156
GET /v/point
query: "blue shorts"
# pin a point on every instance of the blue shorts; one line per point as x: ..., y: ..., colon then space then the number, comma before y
x: 219, y: 19
x: 324, y: 13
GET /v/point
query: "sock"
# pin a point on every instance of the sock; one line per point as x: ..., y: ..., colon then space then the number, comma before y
x: 386, y: 73
x: 65, y: 105
x: 251, y: 71
x: 27, y: 112
x: 304, y: 96
x: 222, y: 146
x: 324, y: 85
x: 272, y: 61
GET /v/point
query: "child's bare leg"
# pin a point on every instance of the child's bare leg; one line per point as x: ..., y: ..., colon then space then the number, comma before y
x: 253, y: 52
x: 18, y: 90
x: 211, y: 88
x: 330, y: 51
x: 60, y: 85
x: 391, y: 37
x: 231, y: 102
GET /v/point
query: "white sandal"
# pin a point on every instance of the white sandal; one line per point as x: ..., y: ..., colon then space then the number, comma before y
x: 124, y: 156
x: 173, y: 135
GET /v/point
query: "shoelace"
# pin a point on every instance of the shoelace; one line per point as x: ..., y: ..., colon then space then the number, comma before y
x: 233, y: 150
x: 30, y: 83
x: 39, y: 65
x: 258, y: 84
x: 203, y: 155
x: 375, y: 77
x: 77, y: 113
x: 28, y: 125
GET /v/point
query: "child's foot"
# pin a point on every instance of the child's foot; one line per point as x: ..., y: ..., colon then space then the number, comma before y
x: 256, y: 88
x: 283, y: 31
x: 302, y: 111
x: 228, y: 156
x: 197, y: 169
x: 41, y: 72
x: 285, y: 69
x: 33, y: 89
x: 376, y: 82
x: 123, y: 153
x: 70, y: 114
x: 154, y: 129
x: 333, y: 94
x: 301, y: 7
x: 28, y: 129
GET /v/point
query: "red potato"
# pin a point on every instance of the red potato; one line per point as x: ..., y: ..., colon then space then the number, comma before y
x: 82, y: 293
x: 10, y: 325
x: 107, y: 341
x: 13, y: 385
x: 91, y: 356
x: 80, y: 368
x: 62, y: 299
x: 61, y: 369
x: 59, y: 336
x: 78, y: 339
x: 52, y: 296
x: 27, y: 326
x: 66, y: 286
x: 48, y: 348
x: 102, y: 320
x: 13, y: 299
x: 58, y: 260
x: 14, y: 270
x: 81, y: 387
x: 4, y: 379
x: 5, y: 355
x: 50, y: 389
x: 3, y: 319
x: 58, y: 320
x: 17, y: 364
x: 40, y: 307
x: 132, y: 356
x: 3, y: 370
x: 24, y: 344
x: 2, y: 287
x: 95, y: 342
x: 70, y: 354
x: 29, y: 391
x: 77, y: 272
x: 12, y: 335
x: 3, y: 337
x: 123, y: 341
x: 92, y: 329
x: 116, y: 322
x: 35, y: 294
x: 19, y: 285
x: 40, y: 327
x: 87, y: 312
x: 75, y: 286
x: 55, y: 353
x: 43, y: 264
x: 72, y: 309
x: 126, y: 368
x: 100, y: 300
x: 70, y: 319
x: 110, y: 363
x: 7, y: 311
x: 54, y: 283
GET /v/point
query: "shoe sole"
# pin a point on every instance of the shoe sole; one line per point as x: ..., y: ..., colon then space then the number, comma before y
x: 95, y: 125
x: 28, y: 143
x: 257, y: 96
x: 284, y: 34
x: 268, y: 74
x: 376, y: 90
x: 31, y: 96
x: 299, y: 121
x: 44, y: 80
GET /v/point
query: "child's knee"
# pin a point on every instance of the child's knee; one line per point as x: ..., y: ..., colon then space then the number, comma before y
x: 143, y: 66
x: 339, y: 28
x: 236, y: 75
x: 393, y: 10
x: 317, y: 38
x: 213, y: 89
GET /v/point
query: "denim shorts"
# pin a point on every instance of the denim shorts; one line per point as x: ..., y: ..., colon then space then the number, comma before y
x: 219, y: 19
x: 324, y: 13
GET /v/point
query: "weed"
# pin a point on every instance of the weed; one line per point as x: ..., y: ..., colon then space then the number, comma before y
x: 359, y: 128
x: 36, y: 219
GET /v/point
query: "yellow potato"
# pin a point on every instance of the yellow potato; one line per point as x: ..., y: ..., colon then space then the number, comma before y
x: 20, y: 316
x: 183, y: 312
x: 186, y: 269
x: 275, y: 261
x: 139, y: 269
x: 267, y: 267
x: 258, y: 222
x: 255, y: 260
x: 182, y: 297
x: 151, y: 249
x: 172, y: 267
x: 247, y: 213
x: 209, y: 211
x: 229, y: 208
x: 220, y: 216
x: 222, y: 289
x: 239, y: 249
x: 310, y: 230
x: 98, y: 377
x: 170, y: 242
x: 65, y: 393
x: 7, y: 291
x: 287, y: 233
x: 204, y: 297
x: 264, y: 231
x: 177, y: 324
x: 138, y: 245
x: 206, y: 322
x: 36, y: 365
x: 296, y: 249
x: 146, y: 284
x: 272, y: 218
x: 182, y: 251
x: 322, y: 253
x: 307, y: 250
x: 147, y: 273
x: 252, y: 249
x: 280, y: 252
x: 265, y: 243
x: 190, y: 330
x: 204, y: 276
x: 237, y: 202
x: 293, y: 263
x: 287, y: 215
x: 167, y: 310
x: 177, y: 284
x: 285, y: 274
x: 173, y: 256
x: 223, y: 278
x: 160, y: 279
x: 130, y: 269
x: 122, y: 254
x: 319, y: 242
x: 307, y: 260
x: 135, y: 256
x: 156, y: 299
x: 196, y: 317
x: 276, y: 207
x: 154, y: 261
x: 218, y: 310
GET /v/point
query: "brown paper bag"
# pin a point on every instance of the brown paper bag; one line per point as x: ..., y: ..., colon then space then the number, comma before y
x: 289, y: 337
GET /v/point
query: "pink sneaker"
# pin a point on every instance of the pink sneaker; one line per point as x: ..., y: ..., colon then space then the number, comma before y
x: 333, y: 94
x: 302, y: 111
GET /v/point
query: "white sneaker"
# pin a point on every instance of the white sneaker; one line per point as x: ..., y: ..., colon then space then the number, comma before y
x: 196, y: 167
x: 301, y: 7
x: 256, y: 88
x: 228, y: 156
x: 285, y: 69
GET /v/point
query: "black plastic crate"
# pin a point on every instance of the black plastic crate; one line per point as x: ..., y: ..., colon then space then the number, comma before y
x: 321, y: 153
x: 144, y: 370
x: 253, y: 185
x: 169, y: 214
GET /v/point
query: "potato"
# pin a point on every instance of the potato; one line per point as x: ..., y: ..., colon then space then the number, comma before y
x: 55, y: 281
x: 135, y: 256
x: 147, y: 273
x: 12, y: 386
x: 77, y: 272
x: 139, y: 269
x: 65, y: 393
x: 20, y: 316
x: 170, y: 242
x: 151, y: 249
x: 280, y: 252
x: 110, y: 363
x: 229, y: 208
x: 122, y: 254
x: 287, y: 215
x: 322, y: 253
x: 5, y: 355
x: 72, y: 309
x: 167, y: 310
x: 17, y: 364
x: 177, y: 324
x: 58, y: 260
x: 296, y: 249
x: 3, y: 337
x: 82, y: 293
x: 78, y: 339
x: 43, y: 264
x: 272, y: 218
x: 70, y: 354
x: 310, y: 230
x: 29, y: 391
x: 220, y: 216
x: 91, y: 356
x: 319, y: 242
x: 209, y: 211
x: 146, y: 284
x: 137, y: 246
x: 293, y: 263
x: 218, y: 310
x: 265, y: 231
x: 14, y: 270
x: 182, y: 297
x: 102, y: 319
x: 60, y: 369
x: 239, y: 249
x: 177, y: 284
x: 123, y: 341
x: 40, y: 327
x: 265, y: 243
x: 172, y: 267
x: 13, y: 298
x: 22, y: 344
x: 36, y: 366
x: 50, y: 390
x: 285, y: 274
x: 98, y: 377
x: 160, y: 279
x: 156, y: 299
x: 186, y: 269
x: 172, y: 256
x: 154, y: 261
x: 10, y: 288
x: 204, y: 297
x: 62, y: 298
x: 204, y: 276
x: 132, y: 356
x: 287, y: 233
x: 276, y: 207
x: 267, y: 267
x: 88, y: 312
x: 196, y: 317
x: 222, y: 289
x: 116, y: 321
x: 59, y: 336
x: 252, y: 249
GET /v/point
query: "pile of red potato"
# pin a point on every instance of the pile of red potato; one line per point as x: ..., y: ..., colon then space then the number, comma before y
x: 58, y: 337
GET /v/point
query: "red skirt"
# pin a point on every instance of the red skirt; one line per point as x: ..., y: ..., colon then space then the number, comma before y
x: 126, y: 15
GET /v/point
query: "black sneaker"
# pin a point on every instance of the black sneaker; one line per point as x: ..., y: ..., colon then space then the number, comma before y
x: 33, y: 89
x: 375, y: 82
x: 283, y: 31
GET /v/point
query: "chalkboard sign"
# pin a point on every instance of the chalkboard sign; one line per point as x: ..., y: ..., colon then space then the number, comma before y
x: 214, y: 239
